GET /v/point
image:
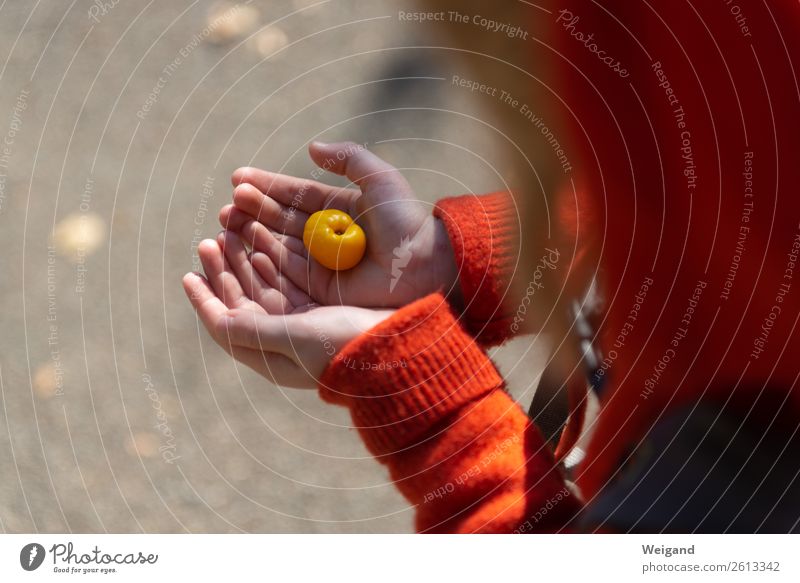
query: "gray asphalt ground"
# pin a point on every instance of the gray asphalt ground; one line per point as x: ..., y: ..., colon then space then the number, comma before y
x: 119, y: 414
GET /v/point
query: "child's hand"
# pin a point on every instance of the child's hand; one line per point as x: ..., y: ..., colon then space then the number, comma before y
x: 268, y: 324
x: 408, y: 253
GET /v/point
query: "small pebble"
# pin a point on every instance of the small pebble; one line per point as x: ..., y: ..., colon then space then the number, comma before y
x: 46, y: 381
x: 269, y: 41
x: 78, y: 235
x: 143, y: 443
x: 228, y: 21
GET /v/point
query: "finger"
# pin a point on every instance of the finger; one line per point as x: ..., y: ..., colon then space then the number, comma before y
x: 225, y: 214
x: 378, y: 179
x: 209, y: 307
x: 269, y: 211
x: 306, y: 195
x: 219, y: 274
x: 267, y: 296
x: 293, y: 266
x: 278, y: 368
x: 255, y: 234
x: 232, y: 218
x: 273, y: 276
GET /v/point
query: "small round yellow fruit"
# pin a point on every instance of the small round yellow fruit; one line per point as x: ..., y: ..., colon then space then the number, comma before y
x: 334, y: 239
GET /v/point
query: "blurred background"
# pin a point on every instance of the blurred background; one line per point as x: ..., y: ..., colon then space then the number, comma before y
x: 120, y: 123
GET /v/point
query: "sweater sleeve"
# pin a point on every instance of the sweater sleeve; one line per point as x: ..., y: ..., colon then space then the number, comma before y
x: 430, y: 405
x: 484, y: 234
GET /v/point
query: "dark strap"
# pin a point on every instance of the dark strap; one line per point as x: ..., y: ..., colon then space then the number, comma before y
x: 549, y: 407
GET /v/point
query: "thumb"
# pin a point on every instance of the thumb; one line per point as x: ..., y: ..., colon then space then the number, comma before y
x: 378, y: 180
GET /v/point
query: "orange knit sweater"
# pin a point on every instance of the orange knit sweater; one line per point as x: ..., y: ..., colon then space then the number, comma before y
x: 692, y: 157
x: 456, y: 444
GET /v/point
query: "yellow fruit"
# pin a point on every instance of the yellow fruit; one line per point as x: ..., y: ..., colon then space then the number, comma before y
x: 334, y: 239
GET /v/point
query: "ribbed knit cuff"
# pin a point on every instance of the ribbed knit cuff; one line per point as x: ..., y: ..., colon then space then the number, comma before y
x: 484, y: 233
x: 408, y: 373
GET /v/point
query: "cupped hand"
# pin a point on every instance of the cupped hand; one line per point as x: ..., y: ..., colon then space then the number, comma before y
x: 408, y: 252
x: 263, y: 320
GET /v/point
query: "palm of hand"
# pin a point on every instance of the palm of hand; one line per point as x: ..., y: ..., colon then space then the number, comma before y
x: 407, y: 250
x: 266, y: 322
x: 400, y: 236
